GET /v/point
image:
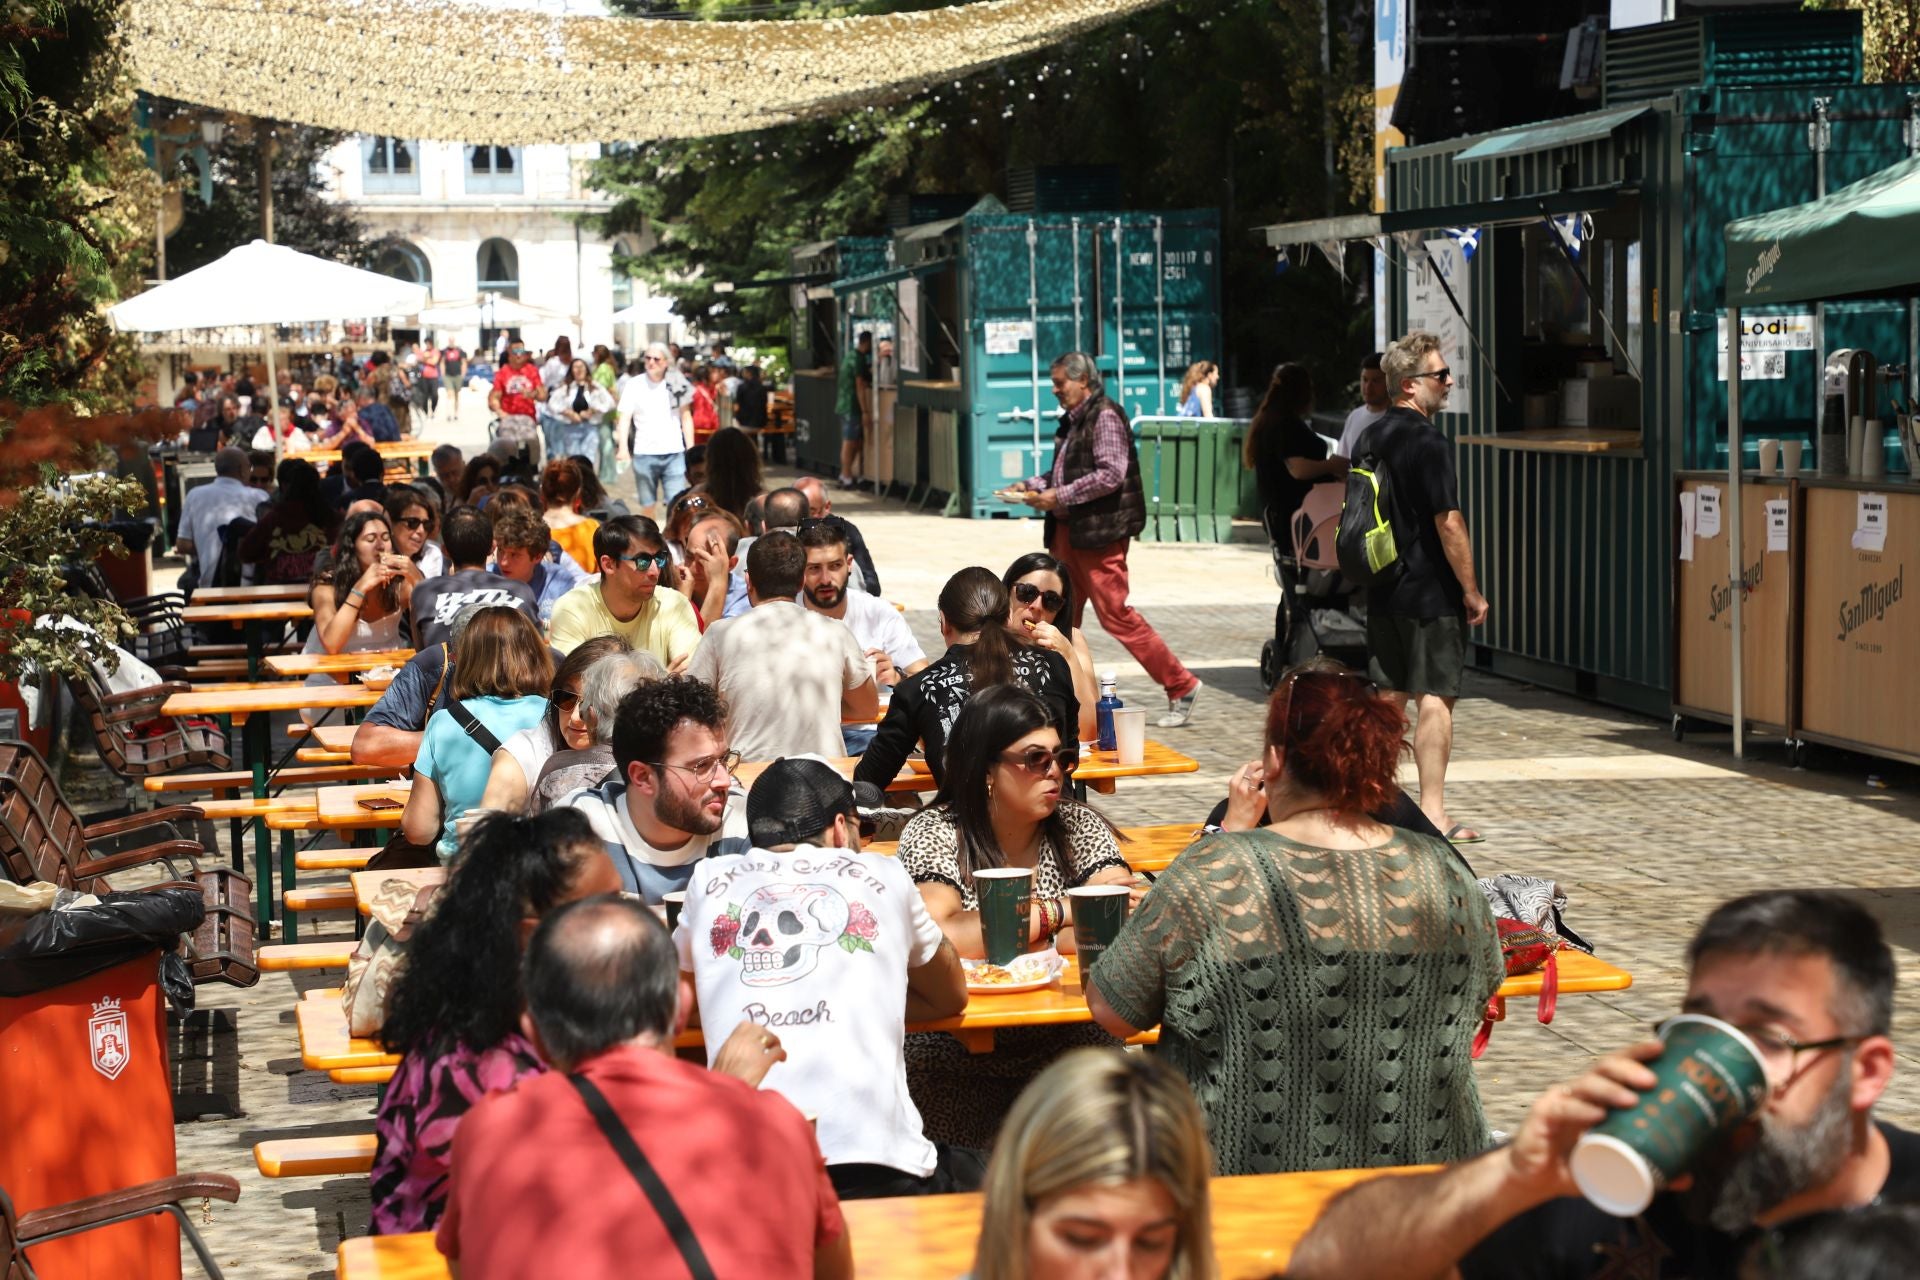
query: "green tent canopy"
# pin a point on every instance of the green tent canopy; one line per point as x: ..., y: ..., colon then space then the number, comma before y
x: 1855, y: 242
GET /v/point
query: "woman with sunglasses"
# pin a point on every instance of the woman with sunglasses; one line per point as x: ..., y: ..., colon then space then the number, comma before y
x: 564, y: 726
x: 414, y: 522
x: 1000, y: 805
x: 1318, y: 980
x: 1043, y: 614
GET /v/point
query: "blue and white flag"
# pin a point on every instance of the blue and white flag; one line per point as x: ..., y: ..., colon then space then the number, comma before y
x: 1572, y: 228
x: 1468, y: 238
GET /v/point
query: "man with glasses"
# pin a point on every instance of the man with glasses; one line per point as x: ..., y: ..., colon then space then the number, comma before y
x: 468, y: 537
x: 1807, y: 976
x: 789, y: 674
x: 1417, y: 620
x: 656, y: 420
x: 672, y: 799
x: 628, y: 600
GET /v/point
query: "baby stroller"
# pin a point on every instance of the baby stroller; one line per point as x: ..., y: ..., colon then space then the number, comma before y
x: 1305, y: 566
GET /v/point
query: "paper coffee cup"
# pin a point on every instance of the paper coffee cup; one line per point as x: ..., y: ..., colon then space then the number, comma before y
x: 1769, y: 456
x: 1006, y: 904
x: 674, y: 902
x: 1098, y: 912
x: 1130, y: 735
x: 1791, y: 452
x: 1708, y: 1081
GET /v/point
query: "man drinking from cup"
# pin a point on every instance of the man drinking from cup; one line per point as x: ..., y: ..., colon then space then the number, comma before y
x: 1806, y: 978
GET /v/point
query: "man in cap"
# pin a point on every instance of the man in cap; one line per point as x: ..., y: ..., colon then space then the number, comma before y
x: 825, y: 945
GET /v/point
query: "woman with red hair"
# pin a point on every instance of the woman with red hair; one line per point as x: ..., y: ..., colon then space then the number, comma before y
x: 1319, y: 979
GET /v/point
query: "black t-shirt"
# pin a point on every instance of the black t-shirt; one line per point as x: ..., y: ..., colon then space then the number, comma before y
x: 750, y: 404
x: 1569, y: 1239
x: 437, y: 600
x: 1280, y: 494
x: 1418, y: 462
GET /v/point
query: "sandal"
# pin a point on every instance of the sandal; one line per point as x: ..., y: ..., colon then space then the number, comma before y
x: 1461, y: 833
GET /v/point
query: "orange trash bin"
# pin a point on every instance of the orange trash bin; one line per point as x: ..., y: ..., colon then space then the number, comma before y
x: 86, y: 1106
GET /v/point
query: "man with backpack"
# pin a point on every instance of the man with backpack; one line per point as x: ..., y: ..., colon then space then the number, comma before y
x: 1422, y: 594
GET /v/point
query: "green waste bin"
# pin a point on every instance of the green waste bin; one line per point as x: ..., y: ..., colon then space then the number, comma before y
x: 1191, y: 474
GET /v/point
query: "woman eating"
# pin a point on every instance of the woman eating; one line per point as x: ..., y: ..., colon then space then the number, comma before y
x: 358, y: 594
x: 502, y: 670
x: 1043, y: 615
x: 1000, y: 805
x: 1288, y: 968
x: 974, y: 608
x: 1102, y: 1171
x: 560, y: 487
x: 454, y: 1013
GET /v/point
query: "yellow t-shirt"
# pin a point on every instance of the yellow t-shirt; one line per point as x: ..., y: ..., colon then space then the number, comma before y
x: 666, y: 625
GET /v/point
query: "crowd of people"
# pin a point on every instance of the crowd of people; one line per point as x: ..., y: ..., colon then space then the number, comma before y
x: 588, y: 685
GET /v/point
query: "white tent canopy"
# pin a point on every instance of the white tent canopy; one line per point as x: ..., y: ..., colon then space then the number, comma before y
x: 647, y: 311
x: 488, y: 309
x: 266, y: 284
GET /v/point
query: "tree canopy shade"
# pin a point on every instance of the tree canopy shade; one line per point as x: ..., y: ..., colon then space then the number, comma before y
x: 1860, y: 240
x: 452, y: 71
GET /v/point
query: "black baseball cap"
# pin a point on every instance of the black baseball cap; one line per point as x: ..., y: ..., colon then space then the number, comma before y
x: 798, y: 797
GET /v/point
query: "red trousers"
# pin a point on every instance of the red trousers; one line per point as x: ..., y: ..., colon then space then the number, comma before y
x: 1100, y: 575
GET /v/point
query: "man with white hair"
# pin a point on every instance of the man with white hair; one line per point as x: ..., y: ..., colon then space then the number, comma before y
x: 656, y: 414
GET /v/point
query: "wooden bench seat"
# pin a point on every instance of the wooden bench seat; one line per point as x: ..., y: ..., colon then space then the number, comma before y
x: 362, y: 1075
x: 217, y: 669
x: 313, y: 1157
x: 324, y: 897
x: 322, y: 756
x: 333, y: 859
x: 242, y: 779
x: 199, y: 651
x: 287, y: 957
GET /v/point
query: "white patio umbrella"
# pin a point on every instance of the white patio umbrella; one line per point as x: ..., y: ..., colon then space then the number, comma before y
x: 646, y: 311
x: 488, y: 310
x: 266, y: 285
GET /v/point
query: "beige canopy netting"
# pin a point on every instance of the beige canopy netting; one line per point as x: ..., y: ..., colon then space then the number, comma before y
x: 461, y: 72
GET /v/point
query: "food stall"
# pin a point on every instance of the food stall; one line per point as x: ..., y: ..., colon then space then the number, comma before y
x: 1858, y: 504
x: 1572, y: 269
x: 822, y: 333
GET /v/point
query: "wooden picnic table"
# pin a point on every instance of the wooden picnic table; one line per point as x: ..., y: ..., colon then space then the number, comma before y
x: 1257, y: 1221
x: 253, y: 617
x: 336, y: 664
x: 1098, y: 770
x: 333, y: 737
x: 417, y: 452
x: 339, y: 808
x: 269, y: 591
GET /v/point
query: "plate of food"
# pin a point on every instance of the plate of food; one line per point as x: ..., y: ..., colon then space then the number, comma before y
x: 1010, y: 495
x: 379, y: 677
x: 1025, y: 973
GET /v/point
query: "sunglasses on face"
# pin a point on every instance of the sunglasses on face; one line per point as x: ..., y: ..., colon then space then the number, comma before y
x: 657, y: 561
x: 1040, y: 761
x: 1027, y: 593
x: 415, y: 523
x: 1443, y: 374
x: 563, y: 698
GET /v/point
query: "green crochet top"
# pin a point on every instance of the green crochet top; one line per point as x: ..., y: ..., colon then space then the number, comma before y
x: 1322, y: 1003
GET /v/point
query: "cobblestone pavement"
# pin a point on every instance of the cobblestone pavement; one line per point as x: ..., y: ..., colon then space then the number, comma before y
x: 1645, y: 834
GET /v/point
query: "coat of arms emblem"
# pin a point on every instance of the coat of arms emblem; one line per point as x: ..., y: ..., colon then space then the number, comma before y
x: 107, y: 1035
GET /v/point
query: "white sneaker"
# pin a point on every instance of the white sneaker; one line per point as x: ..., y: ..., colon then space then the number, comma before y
x: 1179, y: 710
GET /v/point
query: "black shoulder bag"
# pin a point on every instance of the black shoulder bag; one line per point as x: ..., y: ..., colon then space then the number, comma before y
x: 649, y: 1179
x: 481, y: 735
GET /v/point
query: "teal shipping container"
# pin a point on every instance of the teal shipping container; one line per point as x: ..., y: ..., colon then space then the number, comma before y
x: 981, y: 305
x: 1594, y: 299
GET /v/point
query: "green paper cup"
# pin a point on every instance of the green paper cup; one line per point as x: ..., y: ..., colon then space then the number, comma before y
x: 1006, y: 901
x: 1098, y: 912
x: 1709, y: 1080
x: 673, y: 903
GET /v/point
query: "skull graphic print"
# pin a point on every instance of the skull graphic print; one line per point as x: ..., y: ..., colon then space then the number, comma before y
x: 781, y: 931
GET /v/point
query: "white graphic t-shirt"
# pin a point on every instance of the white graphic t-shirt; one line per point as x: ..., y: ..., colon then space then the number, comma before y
x: 815, y: 945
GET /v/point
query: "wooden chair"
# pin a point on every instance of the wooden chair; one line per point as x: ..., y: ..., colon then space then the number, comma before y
x: 20, y: 1232
x: 179, y: 744
x: 41, y: 838
x: 161, y: 636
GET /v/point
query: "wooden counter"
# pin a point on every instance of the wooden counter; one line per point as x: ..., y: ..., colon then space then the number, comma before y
x: 1860, y: 662
x: 1562, y: 440
x: 1703, y: 611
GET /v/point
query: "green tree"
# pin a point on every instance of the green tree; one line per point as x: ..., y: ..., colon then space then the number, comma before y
x: 76, y: 206
x: 303, y: 216
x: 1199, y: 105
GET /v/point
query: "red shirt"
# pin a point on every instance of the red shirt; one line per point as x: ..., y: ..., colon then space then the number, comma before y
x: 517, y: 388
x: 536, y: 1188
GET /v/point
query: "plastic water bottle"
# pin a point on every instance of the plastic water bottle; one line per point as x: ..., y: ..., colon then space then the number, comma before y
x: 1104, y: 709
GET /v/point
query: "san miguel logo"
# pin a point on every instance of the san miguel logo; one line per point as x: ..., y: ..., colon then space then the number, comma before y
x: 107, y: 1037
x: 1720, y: 595
x: 1875, y: 599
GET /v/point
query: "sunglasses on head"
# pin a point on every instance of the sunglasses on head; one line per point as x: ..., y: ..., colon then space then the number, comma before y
x: 1284, y: 693
x: 1039, y: 761
x: 1027, y: 593
x: 695, y: 503
x: 658, y: 560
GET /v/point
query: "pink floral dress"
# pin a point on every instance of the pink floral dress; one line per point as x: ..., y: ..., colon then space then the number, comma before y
x: 417, y: 1119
